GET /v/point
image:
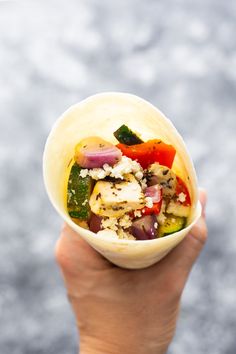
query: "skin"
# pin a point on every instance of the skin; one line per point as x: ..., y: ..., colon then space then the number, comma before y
x: 126, y: 311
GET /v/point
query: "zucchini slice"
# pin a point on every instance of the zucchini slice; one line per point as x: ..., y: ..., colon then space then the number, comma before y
x: 172, y: 224
x: 78, y: 193
x: 125, y: 136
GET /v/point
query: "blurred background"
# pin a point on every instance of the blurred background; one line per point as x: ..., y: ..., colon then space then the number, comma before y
x: 178, y: 54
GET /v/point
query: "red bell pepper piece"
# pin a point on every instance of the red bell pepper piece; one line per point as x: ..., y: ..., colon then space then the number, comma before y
x: 182, y: 188
x: 149, y: 152
x: 155, y: 209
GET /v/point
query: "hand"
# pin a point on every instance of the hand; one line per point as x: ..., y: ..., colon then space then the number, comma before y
x: 126, y: 311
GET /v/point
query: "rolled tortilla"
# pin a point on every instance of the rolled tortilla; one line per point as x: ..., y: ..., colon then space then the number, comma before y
x: 101, y: 115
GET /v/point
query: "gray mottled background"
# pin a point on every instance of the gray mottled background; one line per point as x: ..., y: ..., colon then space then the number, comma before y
x: 180, y: 55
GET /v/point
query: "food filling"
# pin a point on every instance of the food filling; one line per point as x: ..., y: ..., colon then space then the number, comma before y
x: 128, y: 190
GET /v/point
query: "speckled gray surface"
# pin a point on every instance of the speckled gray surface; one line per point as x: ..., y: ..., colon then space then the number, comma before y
x: 180, y: 55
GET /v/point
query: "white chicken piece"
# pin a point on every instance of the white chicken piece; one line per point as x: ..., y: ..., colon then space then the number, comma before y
x: 116, y: 198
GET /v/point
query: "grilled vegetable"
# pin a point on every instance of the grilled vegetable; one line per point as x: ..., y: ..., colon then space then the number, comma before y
x: 95, y: 223
x: 172, y: 224
x: 154, y: 192
x: 178, y: 209
x: 144, y: 228
x: 155, y: 209
x: 149, y: 152
x: 116, y: 198
x: 78, y: 194
x: 181, y: 188
x: 125, y: 136
x: 81, y: 223
x: 163, y: 176
x: 94, y: 152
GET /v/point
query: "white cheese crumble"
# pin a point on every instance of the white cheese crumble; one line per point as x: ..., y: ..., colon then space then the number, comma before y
x: 113, y: 223
x: 143, y: 183
x: 110, y: 223
x: 97, y: 173
x: 114, y: 227
x: 119, y: 234
x: 149, y: 202
x: 182, y: 197
x: 125, y: 221
x: 121, y: 168
x: 84, y: 173
x: 139, y: 175
x: 108, y: 233
x: 84, y: 202
x: 137, y: 213
x: 125, y: 235
x: 155, y: 225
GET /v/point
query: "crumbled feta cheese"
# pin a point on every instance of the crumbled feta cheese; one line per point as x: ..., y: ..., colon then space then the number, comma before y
x: 139, y: 175
x: 137, y: 213
x: 97, y: 173
x: 149, y: 202
x: 125, y: 235
x: 121, y: 168
x: 119, y: 234
x: 155, y: 225
x: 125, y: 221
x: 84, y: 202
x: 108, y: 233
x: 107, y: 167
x: 143, y: 183
x: 125, y: 166
x: 84, y: 173
x: 110, y: 223
x: 182, y: 197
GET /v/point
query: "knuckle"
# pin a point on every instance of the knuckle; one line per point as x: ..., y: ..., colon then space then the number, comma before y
x: 199, y: 232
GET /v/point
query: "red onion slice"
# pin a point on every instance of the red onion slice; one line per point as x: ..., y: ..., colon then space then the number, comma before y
x: 144, y: 227
x: 97, y: 158
x: 95, y: 223
x: 154, y: 192
x: 94, y: 152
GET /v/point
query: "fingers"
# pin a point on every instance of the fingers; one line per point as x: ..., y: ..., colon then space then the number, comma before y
x: 179, y: 262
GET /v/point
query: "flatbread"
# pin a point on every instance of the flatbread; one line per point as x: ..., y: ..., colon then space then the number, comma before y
x: 101, y: 115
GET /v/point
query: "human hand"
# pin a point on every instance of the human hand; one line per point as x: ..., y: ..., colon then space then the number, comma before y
x: 126, y: 311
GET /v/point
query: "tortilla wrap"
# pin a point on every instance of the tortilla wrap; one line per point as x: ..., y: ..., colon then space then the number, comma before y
x: 101, y: 115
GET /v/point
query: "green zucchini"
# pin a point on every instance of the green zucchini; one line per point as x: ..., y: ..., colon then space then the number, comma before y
x: 172, y: 224
x: 78, y: 193
x: 125, y: 136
